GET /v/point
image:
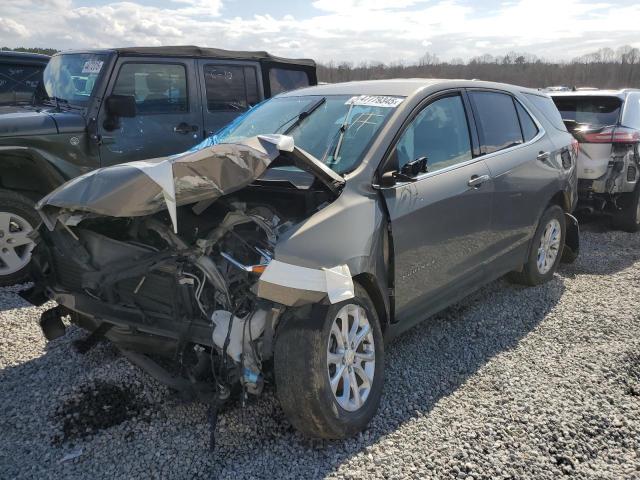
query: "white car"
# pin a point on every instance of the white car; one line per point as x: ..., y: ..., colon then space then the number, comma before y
x: 607, y: 125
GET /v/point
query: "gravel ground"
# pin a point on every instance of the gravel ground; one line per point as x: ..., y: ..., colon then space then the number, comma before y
x: 511, y: 383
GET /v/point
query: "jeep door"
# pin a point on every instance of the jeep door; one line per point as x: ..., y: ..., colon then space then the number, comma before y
x: 440, y: 221
x: 229, y: 88
x: 168, y: 118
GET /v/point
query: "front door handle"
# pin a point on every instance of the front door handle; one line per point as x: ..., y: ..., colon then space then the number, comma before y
x: 476, y: 181
x: 184, y: 128
x: 543, y: 156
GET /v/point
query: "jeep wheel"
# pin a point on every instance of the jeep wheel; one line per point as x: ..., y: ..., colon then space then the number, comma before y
x: 329, y: 371
x: 17, y: 219
x: 628, y: 219
x: 545, y: 250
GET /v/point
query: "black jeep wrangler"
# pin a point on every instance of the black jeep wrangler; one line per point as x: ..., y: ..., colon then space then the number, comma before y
x: 103, y: 107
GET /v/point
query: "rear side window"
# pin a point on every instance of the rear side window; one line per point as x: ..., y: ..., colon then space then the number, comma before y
x: 529, y: 128
x: 157, y: 87
x: 18, y: 82
x: 497, y: 119
x: 548, y: 109
x: 589, y: 110
x: 439, y: 132
x: 230, y: 88
x: 283, y: 80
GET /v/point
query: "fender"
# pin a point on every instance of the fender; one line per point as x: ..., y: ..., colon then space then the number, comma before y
x: 46, y: 166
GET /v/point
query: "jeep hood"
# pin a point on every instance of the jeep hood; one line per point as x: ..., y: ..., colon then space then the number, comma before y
x: 21, y: 121
x: 200, y: 175
x: 17, y: 122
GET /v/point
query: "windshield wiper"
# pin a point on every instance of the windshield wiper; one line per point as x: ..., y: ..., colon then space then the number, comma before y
x: 299, y: 118
x: 341, y: 131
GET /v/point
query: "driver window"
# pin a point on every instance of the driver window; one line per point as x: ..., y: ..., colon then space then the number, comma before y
x: 440, y: 133
x: 157, y: 88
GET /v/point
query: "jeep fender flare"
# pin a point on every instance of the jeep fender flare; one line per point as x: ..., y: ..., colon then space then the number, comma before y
x: 43, y: 172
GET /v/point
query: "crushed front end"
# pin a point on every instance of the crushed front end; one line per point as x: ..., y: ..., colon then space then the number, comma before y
x: 172, y: 271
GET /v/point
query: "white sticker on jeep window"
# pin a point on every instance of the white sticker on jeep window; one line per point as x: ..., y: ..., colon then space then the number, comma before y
x: 92, y: 66
x: 375, y: 101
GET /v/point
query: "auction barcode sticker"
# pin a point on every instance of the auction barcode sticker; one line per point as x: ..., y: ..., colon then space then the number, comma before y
x: 375, y: 101
x: 92, y: 66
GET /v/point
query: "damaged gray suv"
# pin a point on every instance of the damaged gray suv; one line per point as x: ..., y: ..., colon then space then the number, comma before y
x: 291, y: 246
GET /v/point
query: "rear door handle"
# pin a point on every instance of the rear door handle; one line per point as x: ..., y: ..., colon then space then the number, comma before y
x: 184, y: 128
x: 476, y: 181
x: 543, y: 156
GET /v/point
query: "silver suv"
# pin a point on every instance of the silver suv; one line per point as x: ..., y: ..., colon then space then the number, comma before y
x: 607, y: 125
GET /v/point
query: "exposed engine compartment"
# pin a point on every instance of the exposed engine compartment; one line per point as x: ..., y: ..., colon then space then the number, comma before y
x: 189, y: 296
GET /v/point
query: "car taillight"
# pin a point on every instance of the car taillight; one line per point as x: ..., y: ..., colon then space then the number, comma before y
x: 611, y: 135
x: 626, y: 135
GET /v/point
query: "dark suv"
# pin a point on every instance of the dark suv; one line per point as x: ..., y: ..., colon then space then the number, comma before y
x: 20, y: 75
x: 103, y: 107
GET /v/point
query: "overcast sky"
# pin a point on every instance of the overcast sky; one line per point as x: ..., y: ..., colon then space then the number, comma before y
x: 340, y: 30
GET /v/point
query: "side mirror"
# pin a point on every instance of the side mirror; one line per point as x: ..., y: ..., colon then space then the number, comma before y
x: 415, y: 168
x: 121, y: 106
x: 388, y: 179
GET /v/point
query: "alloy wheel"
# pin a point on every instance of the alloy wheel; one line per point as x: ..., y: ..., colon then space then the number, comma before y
x: 351, y: 357
x: 15, y: 246
x: 549, y: 247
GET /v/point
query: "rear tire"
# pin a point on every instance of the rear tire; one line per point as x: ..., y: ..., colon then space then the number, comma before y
x: 628, y: 219
x: 17, y: 218
x: 545, y: 250
x: 309, y: 350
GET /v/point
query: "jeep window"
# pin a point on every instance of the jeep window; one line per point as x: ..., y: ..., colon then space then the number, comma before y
x: 70, y: 78
x: 529, y: 128
x: 548, y: 109
x: 18, y: 82
x: 439, y: 132
x: 318, y: 133
x: 590, y: 110
x: 157, y: 87
x: 283, y: 80
x: 230, y: 87
x: 497, y: 119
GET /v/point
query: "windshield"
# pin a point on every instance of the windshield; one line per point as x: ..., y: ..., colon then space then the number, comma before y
x: 589, y: 110
x: 70, y: 78
x: 335, y: 129
x: 18, y: 82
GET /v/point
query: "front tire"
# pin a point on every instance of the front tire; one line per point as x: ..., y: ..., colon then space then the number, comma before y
x: 17, y: 219
x: 545, y: 251
x: 628, y: 219
x: 329, y: 368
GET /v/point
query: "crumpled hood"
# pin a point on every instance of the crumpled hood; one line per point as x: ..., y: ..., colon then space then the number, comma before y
x: 146, y: 187
x: 18, y: 122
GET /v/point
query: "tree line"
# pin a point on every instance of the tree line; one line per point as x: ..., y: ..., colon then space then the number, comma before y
x: 43, y: 51
x: 605, y: 68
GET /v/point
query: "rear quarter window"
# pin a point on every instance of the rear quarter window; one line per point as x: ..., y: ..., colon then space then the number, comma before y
x: 546, y: 106
x: 283, y: 80
x: 529, y: 128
